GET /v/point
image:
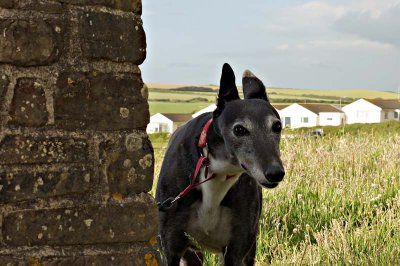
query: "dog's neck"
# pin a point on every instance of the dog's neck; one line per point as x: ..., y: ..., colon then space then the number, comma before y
x: 215, y: 190
x: 226, y: 172
x: 216, y: 147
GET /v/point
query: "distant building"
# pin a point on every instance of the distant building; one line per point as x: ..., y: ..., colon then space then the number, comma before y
x: 279, y: 108
x: 300, y: 115
x: 372, y: 111
x: 311, y: 115
x: 166, y: 122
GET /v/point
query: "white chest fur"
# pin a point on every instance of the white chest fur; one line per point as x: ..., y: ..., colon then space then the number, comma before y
x: 210, y: 223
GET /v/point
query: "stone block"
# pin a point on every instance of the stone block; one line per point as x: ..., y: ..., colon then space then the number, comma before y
x: 4, y: 81
x: 112, y: 37
x: 28, y: 106
x: 10, y: 261
x: 145, y: 256
x: 133, y: 221
x: 128, y: 164
x: 41, y: 182
x: 32, y: 42
x: 47, y: 6
x: 7, y: 3
x: 16, y: 149
x: 125, y: 5
x: 100, y: 101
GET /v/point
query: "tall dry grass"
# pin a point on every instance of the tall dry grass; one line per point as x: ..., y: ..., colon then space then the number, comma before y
x: 339, y: 203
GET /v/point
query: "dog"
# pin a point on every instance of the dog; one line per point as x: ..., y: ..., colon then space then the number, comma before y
x: 209, y: 187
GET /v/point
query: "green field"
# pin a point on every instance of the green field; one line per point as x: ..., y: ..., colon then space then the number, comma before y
x: 352, y: 93
x: 183, y: 96
x: 166, y: 107
x: 165, y: 98
x: 339, y: 203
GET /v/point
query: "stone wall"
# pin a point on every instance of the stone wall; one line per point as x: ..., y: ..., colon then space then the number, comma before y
x: 76, y: 165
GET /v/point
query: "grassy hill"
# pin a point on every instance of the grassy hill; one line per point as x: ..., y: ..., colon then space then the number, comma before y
x: 183, y: 98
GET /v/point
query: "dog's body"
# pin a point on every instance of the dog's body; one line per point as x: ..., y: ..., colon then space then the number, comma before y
x: 222, y: 214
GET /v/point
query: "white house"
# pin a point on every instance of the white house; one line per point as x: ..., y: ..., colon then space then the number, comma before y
x: 166, y: 122
x: 372, y: 111
x: 328, y: 115
x: 295, y: 116
x: 209, y: 108
x: 311, y: 115
x: 279, y: 108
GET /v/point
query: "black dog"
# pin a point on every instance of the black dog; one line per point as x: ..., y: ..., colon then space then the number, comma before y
x: 231, y: 150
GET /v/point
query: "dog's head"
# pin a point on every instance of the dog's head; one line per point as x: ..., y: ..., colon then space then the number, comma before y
x: 251, y: 128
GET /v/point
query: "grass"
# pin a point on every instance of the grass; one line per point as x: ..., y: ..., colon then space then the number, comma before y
x: 162, y: 97
x: 352, y: 93
x: 178, y: 95
x: 339, y: 203
x: 354, y: 129
x: 167, y: 86
x: 164, y: 94
x: 172, y: 107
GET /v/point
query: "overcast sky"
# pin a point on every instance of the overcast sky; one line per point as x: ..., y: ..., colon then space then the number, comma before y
x: 288, y: 43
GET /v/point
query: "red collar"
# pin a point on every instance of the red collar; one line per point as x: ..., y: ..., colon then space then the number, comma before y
x: 203, y: 143
x: 203, y: 136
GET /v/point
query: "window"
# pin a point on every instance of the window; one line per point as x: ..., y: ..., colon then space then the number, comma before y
x: 396, y: 115
x: 287, y: 121
x: 386, y: 115
x: 329, y: 119
x: 304, y: 119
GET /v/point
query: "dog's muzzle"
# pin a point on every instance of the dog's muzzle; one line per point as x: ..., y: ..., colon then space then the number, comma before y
x: 274, y: 175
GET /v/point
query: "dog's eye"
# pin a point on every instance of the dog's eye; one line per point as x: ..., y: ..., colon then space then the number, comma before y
x: 240, y: 130
x: 277, y: 127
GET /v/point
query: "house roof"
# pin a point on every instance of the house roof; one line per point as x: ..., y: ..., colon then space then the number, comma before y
x: 177, y: 117
x: 320, y: 108
x: 280, y: 106
x: 209, y: 108
x: 385, y: 104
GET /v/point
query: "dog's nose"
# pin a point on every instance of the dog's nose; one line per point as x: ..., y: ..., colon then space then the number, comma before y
x: 275, y: 173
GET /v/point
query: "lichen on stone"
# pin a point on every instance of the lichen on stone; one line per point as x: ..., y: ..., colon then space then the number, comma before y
x: 127, y: 163
x: 88, y: 222
x: 146, y: 161
x: 133, y: 142
x: 124, y: 112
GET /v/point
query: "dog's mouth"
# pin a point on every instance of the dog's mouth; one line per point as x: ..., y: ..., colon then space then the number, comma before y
x: 270, y: 185
x: 265, y: 183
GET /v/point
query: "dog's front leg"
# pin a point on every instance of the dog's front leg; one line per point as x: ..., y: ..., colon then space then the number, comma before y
x: 192, y: 258
x: 240, y: 255
x: 174, y: 244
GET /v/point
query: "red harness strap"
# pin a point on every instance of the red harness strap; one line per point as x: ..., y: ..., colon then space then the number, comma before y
x: 202, y: 161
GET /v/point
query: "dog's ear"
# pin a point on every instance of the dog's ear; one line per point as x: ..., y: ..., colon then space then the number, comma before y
x: 227, y: 89
x: 253, y: 88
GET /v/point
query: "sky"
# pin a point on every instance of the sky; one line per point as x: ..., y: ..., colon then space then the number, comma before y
x: 343, y: 44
